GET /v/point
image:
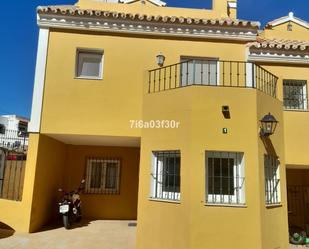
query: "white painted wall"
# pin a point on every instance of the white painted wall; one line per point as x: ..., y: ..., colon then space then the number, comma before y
x: 11, y: 122
x: 39, y: 80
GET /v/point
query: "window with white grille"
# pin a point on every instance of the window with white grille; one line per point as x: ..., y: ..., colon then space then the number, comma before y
x: 295, y: 94
x: 89, y: 64
x: 165, y: 175
x: 102, y: 176
x: 272, y: 180
x: 225, y: 176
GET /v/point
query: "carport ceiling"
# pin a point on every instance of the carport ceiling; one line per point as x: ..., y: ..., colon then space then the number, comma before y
x: 97, y: 140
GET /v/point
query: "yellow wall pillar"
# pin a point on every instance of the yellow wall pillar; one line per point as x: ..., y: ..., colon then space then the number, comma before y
x: 16, y: 214
x: 49, y: 176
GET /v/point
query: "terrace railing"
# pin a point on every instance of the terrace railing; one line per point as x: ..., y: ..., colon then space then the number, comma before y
x: 13, y: 140
x: 217, y: 73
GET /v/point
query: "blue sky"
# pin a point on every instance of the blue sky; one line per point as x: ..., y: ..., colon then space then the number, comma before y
x: 19, y: 41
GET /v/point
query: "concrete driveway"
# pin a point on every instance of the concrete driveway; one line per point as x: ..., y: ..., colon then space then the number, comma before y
x: 98, y: 234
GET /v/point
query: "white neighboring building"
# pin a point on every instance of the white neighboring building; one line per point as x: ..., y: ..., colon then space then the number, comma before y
x: 13, y: 132
x: 14, y: 122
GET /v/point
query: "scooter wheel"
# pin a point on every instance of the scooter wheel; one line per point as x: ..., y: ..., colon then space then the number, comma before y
x: 78, y: 219
x: 66, y: 222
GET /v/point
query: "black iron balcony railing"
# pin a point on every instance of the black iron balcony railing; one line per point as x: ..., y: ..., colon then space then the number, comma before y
x: 212, y: 73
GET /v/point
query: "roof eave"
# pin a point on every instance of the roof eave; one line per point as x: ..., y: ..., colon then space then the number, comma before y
x: 106, y: 21
x: 285, y: 19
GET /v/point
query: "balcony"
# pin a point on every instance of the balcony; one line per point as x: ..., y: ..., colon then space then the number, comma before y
x: 214, y: 73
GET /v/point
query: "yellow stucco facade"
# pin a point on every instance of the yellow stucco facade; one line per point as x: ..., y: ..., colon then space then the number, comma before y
x: 252, y: 222
x: 295, y: 121
x: 80, y: 118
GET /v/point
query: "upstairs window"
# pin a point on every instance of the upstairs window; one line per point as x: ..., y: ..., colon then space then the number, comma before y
x: 272, y: 180
x: 225, y: 182
x: 102, y: 176
x: 295, y: 94
x: 2, y: 129
x: 22, y: 128
x: 89, y: 64
x: 199, y: 71
x: 165, y: 175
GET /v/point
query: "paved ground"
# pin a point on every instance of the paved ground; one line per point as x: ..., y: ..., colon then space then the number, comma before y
x: 98, y: 234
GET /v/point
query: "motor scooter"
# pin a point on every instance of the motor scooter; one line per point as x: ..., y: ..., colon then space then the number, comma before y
x: 70, y: 206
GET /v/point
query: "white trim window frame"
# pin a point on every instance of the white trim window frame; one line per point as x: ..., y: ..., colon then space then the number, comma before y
x: 165, y: 175
x: 92, y: 56
x: 102, y: 176
x: 272, y: 180
x: 225, y: 178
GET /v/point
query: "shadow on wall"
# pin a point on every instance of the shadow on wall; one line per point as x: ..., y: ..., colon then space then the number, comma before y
x: 5, y: 231
x: 269, y: 146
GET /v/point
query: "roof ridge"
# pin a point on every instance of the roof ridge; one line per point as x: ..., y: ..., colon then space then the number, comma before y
x: 156, y: 2
x: 289, y: 18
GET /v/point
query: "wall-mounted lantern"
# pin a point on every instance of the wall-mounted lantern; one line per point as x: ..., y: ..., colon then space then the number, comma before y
x: 160, y: 59
x: 268, y: 125
x: 226, y: 111
x: 290, y: 26
x: 291, y: 17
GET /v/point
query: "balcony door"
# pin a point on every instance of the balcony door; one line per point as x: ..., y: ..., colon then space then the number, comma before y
x: 199, y: 71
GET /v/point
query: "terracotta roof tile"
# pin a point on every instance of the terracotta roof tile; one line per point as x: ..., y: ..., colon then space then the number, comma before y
x: 280, y: 44
x: 76, y: 11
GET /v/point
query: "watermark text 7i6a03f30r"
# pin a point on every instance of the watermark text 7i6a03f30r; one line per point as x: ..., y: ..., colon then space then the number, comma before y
x: 154, y: 124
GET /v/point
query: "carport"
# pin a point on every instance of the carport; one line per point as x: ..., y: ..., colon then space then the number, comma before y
x: 298, y: 198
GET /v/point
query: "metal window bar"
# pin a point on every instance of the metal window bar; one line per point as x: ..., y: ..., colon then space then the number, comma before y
x: 102, y: 176
x: 166, y: 175
x: 272, y: 180
x: 225, y: 184
x: 205, y: 72
x: 238, y: 177
x: 295, y: 94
